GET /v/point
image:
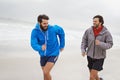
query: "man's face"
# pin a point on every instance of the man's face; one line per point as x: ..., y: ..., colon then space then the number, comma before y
x: 96, y: 22
x: 44, y: 24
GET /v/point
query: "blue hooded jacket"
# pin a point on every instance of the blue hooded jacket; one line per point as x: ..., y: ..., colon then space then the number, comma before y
x: 53, y: 38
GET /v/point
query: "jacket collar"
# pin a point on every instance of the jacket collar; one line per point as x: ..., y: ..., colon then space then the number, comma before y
x: 102, y: 32
x: 38, y: 27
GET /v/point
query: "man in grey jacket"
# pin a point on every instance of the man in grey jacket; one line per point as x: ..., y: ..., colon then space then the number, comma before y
x: 96, y: 40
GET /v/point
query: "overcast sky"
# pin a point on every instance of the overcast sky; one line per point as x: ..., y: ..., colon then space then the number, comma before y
x: 74, y: 13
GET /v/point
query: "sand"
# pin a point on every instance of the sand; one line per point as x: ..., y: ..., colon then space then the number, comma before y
x: 19, y: 62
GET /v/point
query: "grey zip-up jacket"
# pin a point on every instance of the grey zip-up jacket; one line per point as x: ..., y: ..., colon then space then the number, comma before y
x: 96, y: 51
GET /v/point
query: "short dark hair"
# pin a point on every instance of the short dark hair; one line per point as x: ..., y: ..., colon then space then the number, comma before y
x: 43, y: 16
x: 100, y: 18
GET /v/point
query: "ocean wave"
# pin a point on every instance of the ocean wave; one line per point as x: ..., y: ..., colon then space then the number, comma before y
x: 13, y: 31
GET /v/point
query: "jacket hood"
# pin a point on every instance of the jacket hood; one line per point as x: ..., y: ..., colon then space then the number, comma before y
x: 37, y: 26
x: 104, y: 30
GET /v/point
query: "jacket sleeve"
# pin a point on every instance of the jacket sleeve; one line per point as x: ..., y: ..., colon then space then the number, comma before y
x: 34, y: 42
x: 108, y: 42
x: 61, y: 35
x: 84, y: 43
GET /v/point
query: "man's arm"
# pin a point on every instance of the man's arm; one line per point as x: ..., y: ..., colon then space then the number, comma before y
x: 61, y: 35
x: 108, y: 42
x: 84, y: 44
x: 34, y: 42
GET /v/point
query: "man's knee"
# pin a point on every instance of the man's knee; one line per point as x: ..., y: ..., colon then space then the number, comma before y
x: 92, y: 77
x: 45, y: 72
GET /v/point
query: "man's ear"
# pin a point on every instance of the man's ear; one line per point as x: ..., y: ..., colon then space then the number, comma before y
x: 100, y: 23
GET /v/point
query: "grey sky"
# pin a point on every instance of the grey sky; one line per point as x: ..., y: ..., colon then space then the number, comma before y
x: 64, y: 12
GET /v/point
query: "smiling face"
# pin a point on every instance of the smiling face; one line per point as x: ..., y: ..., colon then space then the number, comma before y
x: 96, y: 22
x: 43, y: 21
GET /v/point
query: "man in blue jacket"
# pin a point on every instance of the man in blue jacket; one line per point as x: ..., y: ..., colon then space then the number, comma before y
x: 49, y: 41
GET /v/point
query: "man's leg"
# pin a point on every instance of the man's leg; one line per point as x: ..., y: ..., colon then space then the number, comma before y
x: 95, y: 65
x: 94, y: 75
x: 46, y: 70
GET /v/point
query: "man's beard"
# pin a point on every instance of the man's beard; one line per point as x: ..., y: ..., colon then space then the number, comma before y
x: 96, y: 25
x: 43, y: 28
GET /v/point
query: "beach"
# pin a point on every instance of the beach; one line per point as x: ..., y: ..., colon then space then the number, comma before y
x: 19, y: 61
x: 22, y: 63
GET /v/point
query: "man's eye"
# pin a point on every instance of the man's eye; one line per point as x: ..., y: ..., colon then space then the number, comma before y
x: 45, y: 23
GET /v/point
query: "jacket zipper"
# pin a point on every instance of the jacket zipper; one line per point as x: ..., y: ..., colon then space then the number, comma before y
x: 94, y: 48
x: 46, y: 34
x: 45, y: 44
x: 46, y: 37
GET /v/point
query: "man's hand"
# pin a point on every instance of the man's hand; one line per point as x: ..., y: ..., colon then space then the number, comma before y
x: 44, y: 47
x: 61, y: 49
x: 97, y: 42
x: 83, y: 54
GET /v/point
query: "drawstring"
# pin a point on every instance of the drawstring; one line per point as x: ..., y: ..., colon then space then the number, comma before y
x: 46, y: 38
